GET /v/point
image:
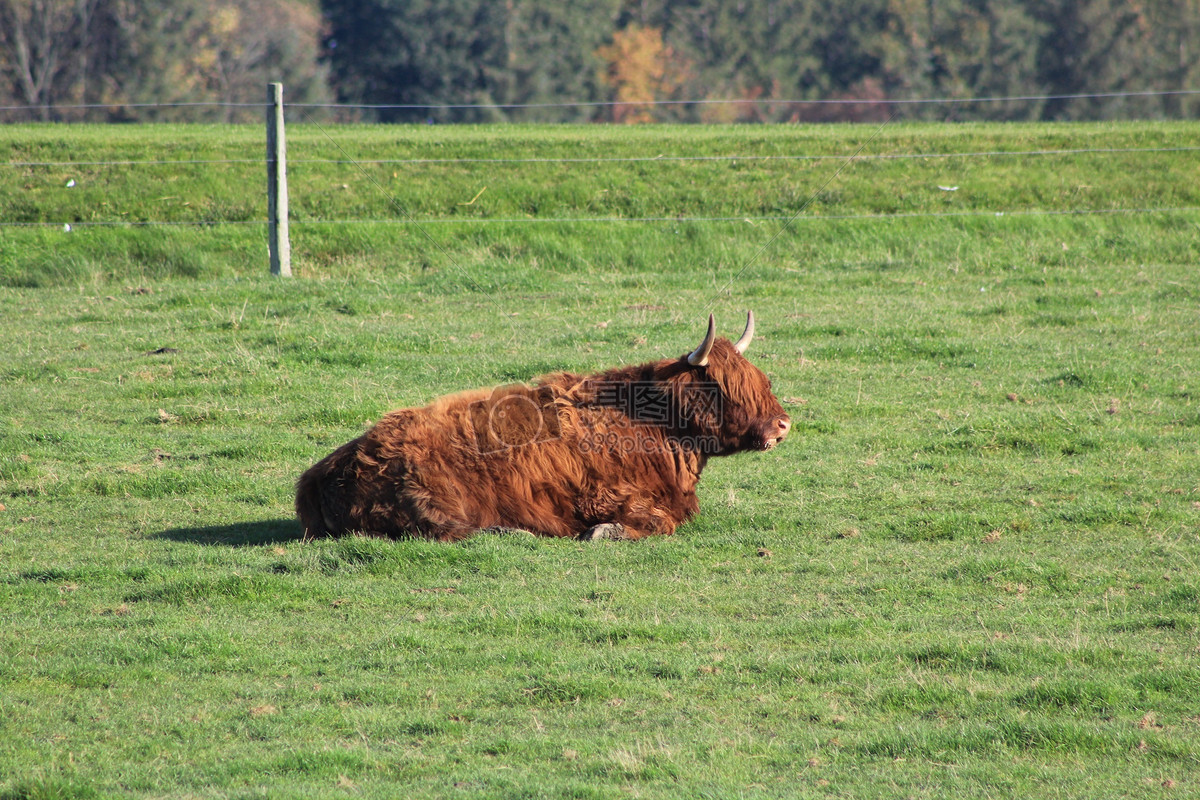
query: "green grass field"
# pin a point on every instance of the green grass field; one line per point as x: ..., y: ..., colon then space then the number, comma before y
x: 971, y: 571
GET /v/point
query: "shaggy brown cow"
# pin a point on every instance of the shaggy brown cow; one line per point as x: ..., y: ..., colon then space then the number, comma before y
x: 615, y: 455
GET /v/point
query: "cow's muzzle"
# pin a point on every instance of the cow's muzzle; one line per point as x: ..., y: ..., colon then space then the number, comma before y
x: 775, y: 431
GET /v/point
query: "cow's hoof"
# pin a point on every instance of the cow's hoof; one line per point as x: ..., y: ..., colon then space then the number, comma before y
x: 605, y: 530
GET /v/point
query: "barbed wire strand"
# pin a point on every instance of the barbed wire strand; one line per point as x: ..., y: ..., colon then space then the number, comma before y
x: 611, y: 103
x: 740, y: 157
x: 643, y: 220
x: 624, y: 159
x: 770, y: 218
x: 151, y: 163
x: 116, y: 106
x: 71, y: 224
x: 747, y: 100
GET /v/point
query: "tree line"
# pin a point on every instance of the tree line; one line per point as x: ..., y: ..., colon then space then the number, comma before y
x: 600, y: 60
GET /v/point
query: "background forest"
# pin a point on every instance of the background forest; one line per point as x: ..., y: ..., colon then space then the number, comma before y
x: 597, y: 60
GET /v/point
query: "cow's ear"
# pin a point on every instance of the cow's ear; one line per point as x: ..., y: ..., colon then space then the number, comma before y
x: 699, y: 356
x: 747, y: 335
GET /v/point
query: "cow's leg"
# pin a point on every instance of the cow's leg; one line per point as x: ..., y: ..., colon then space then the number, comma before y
x: 605, y: 531
x: 620, y: 531
x: 629, y: 517
x: 434, y: 524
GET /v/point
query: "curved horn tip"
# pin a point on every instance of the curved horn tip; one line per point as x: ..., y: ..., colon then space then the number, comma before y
x: 747, y: 335
x: 699, y: 356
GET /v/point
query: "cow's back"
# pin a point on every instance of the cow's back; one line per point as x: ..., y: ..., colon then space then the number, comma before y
x: 466, y: 462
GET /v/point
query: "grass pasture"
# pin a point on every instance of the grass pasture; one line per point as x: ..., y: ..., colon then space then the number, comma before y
x: 971, y: 571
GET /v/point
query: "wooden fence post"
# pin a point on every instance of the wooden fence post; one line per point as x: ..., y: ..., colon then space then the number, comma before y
x: 278, y: 245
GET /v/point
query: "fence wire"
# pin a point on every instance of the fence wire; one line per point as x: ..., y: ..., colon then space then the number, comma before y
x: 706, y: 101
x: 760, y: 101
x: 663, y: 158
x: 811, y: 218
x: 625, y: 159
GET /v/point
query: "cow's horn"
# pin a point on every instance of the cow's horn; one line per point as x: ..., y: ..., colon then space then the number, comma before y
x: 744, y: 342
x: 699, y: 356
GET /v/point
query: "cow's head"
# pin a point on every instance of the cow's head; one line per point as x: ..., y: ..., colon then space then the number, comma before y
x: 748, y: 416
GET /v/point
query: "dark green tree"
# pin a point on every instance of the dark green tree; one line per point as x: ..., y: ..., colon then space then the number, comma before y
x: 429, y: 54
x: 43, y: 52
x: 117, y: 55
x: 551, y: 55
x: 220, y: 51
x: 759, y: 52
x: 762, y: 53
x: 1175, y: 30
x: 944, y: 49
x: 1096, y: 47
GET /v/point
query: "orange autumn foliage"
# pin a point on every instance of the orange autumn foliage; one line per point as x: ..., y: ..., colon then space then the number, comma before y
x: 640, y: 68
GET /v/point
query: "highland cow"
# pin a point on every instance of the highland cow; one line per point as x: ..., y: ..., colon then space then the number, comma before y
x: 616, y: 454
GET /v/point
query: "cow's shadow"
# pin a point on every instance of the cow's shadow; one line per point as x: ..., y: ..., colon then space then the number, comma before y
x: 238, y: 534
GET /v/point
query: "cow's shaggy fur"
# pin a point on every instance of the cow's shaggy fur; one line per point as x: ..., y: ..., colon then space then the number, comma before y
x: 616, y: 454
